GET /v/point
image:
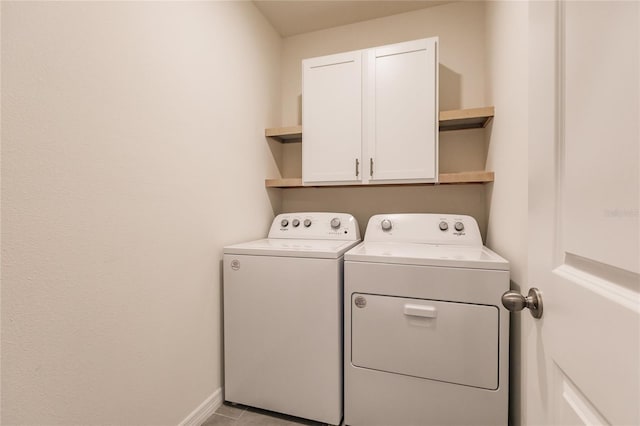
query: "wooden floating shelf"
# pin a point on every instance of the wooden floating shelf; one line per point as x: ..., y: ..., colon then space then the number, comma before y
x: 459, y: 119
x: 285, y: 134
x: 444, y: 179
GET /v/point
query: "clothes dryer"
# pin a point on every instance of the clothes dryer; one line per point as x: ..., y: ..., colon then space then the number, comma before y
x: 426, y: 336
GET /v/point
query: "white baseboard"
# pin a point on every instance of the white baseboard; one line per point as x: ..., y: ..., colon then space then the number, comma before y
x: 204, y: 410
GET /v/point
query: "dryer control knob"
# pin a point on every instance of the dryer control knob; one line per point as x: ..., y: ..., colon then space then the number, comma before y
x: 295, y: 223
x: 284, y: 223
x: 335, y: 223
x: 459, y: 226
x: 386, y: 225
x: 307, y: 223
x: 443, y: 226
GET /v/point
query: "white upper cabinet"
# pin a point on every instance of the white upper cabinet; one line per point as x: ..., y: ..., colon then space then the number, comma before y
x: 401, y: 104
x: 332, y: 117
x: 371, y: 116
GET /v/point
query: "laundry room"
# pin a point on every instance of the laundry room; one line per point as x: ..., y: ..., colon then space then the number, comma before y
x: 157, y: 156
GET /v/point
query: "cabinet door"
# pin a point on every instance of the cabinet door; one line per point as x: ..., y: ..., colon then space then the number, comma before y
x: 401, y: 111
x: 332, y: 119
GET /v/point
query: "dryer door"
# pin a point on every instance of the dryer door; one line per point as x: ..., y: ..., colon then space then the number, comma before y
x: 446, y: 341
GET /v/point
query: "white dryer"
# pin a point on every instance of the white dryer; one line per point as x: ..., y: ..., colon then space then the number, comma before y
x: 426, y: 336
x: 283, y: 316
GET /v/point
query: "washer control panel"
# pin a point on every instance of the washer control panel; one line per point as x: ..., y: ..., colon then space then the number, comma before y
x: 426, y: 228
x: 315, y: 226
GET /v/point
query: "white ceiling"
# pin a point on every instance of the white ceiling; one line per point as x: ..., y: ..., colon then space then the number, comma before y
x: 291, y: 17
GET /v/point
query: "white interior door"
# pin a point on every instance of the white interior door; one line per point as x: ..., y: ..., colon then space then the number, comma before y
x: 581, y: 360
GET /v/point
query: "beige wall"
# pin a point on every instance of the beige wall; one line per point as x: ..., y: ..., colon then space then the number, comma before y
x: 483, y: 55
x: 461, y: 28
x: 132, y: 151
x: 507, y: 198
x: 365, y: 202
x: 507, y: 89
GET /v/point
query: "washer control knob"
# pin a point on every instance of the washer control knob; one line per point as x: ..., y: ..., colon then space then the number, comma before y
x: 386, y: 225
x: 284, y: 223
x: 335, y: 223
x: 443, y: 226
x: 307, y: 223
x: 459, y: 226
x: 295, y: 223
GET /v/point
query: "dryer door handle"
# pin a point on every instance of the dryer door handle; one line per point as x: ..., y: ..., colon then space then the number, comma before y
x: 420, y: 311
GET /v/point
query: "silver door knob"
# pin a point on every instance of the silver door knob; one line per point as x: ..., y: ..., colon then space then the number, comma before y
x: 514, y: 301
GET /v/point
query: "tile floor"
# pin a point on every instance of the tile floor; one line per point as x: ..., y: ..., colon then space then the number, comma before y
x: 239, y: 415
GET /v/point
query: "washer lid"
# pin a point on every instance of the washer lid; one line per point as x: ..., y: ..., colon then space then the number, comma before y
x: 427, y: 254
x: 321, y: 249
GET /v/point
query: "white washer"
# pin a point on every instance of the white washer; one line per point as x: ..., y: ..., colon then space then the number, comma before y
x: 426, y: 336
x: 283, y: 316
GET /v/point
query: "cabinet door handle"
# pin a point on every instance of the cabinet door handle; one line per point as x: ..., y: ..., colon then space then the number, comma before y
x: 357, y: 167
x: 371, y: 166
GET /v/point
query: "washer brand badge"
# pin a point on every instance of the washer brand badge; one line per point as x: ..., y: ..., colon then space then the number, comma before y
x: 360, y: 302
x: 235, y: 264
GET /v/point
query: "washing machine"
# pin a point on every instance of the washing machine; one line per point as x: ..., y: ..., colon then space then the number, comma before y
x: 426, y: 336
x: 283, y: 302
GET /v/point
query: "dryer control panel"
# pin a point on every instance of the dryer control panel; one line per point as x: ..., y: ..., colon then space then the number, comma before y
x: 424, y: 228
x: 315, y: 226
